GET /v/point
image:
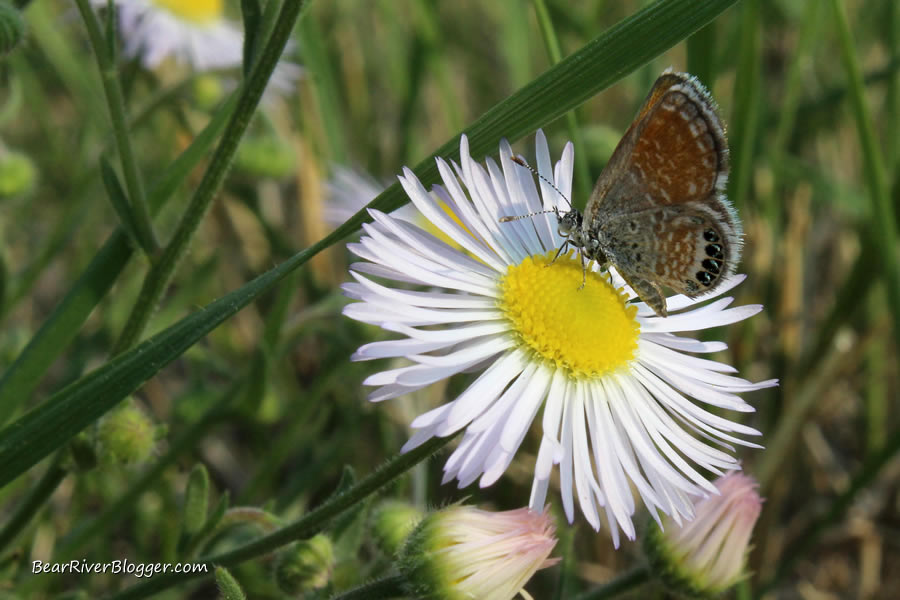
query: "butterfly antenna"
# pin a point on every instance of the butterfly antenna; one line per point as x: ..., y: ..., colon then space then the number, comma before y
x: 521, y: 161
x: 528, y: 216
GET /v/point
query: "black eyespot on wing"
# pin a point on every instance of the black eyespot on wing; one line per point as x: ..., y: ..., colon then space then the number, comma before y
x: 710, y: 236
x: 715, y: 250
x: 704, y: 278
x: 691, y: 285
x: 711, y: 265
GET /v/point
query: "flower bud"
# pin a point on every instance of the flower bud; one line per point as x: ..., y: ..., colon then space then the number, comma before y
x: 125, y: 435
x: 207, y: 91
x: 305, y: 566
x: 196, y: 500
x: 17, y: 173
x: 706, y: 556
x: 461, y: 553
x: 392, y: 522
x: 12, y: 28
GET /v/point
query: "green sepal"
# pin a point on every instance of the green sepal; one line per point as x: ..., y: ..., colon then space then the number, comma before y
x: 229, y: 589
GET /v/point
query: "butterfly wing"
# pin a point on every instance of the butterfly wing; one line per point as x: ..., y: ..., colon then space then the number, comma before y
x: 662, y: 192
x: 686, y: 248
x: 674, y: 152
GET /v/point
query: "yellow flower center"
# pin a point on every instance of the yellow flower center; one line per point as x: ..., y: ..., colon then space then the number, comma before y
x: 589, y: 331
x: 199, y: 11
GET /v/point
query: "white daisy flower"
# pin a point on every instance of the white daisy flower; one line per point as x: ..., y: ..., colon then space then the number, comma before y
x: 624, y: 404
x: 193, y: 33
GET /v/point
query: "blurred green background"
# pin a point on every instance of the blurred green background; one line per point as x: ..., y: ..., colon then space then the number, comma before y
x: 386, y: 83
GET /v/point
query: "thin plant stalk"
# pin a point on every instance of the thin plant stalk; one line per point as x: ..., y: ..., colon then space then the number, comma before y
x: 379, y: 589
x: 116, y: 102
x: 308, y: 525
x: 33, y: 501
x: 163, y: 270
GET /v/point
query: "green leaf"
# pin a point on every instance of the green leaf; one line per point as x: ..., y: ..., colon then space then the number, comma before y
x: 610, y: 56
x: 117, y: 198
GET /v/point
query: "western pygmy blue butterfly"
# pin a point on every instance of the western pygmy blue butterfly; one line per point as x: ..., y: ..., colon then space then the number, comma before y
x: 658, y: 212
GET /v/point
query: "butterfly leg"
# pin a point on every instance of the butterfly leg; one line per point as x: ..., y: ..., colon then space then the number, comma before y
x: 649, y: 293
x: 583, y: 271
x: 562, y: 248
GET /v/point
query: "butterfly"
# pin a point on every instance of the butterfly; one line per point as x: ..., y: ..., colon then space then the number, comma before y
x: 658, y: 212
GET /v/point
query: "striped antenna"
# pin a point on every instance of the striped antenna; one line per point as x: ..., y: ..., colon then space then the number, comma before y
x: 521, y: 161
x: 528, y: 216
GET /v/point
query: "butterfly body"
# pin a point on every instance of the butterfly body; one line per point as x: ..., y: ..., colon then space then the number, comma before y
x: 658, y: 212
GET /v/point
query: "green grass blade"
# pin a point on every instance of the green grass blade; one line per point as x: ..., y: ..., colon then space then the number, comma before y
x: 745, y: 115
x: 884, y: 223
x: 613, y: 54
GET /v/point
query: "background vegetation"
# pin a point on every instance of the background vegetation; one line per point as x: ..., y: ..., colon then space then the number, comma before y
x: 268, y: 400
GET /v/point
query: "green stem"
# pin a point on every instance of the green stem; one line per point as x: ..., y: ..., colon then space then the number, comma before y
x: 885, y: 224
x: 310, y: 524
x: 380, y: 589
x: 162, y: 271
x: 807, y: 538
x: 33, y: 502
x: 623, y: 583
x: 551, y: 42
x: 116, y: 103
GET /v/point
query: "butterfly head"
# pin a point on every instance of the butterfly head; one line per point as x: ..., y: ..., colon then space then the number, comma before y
x: 568, y: 222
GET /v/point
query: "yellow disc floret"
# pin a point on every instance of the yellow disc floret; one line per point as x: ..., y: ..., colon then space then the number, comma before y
x: 589, y: 331
x: 199, y: 11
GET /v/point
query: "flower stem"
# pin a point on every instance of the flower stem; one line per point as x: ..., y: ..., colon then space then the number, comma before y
x: 113, y: 91
x: 380, y: 589
x: 308, y: 525
x: 33, y: 502
x: 623, y: 583
x: 161, y: 272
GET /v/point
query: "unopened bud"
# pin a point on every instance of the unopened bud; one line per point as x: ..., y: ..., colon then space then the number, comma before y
x: 305, y: 566
x: 460, y: 553
x: 17, y: 173
x: 392, y: 522
x: 125, y: 435
x: 706, y: 556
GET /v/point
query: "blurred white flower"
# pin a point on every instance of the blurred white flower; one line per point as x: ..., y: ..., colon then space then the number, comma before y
x: 193, y: 33
x: 612, y: 377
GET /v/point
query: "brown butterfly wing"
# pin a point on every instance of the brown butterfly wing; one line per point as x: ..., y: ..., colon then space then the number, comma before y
x: 685, y: 248
x: 661, y: 194
x: 619, y: 162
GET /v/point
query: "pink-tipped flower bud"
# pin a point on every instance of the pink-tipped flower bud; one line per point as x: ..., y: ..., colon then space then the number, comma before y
x: 461, y: 552
x: 706, y: 556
